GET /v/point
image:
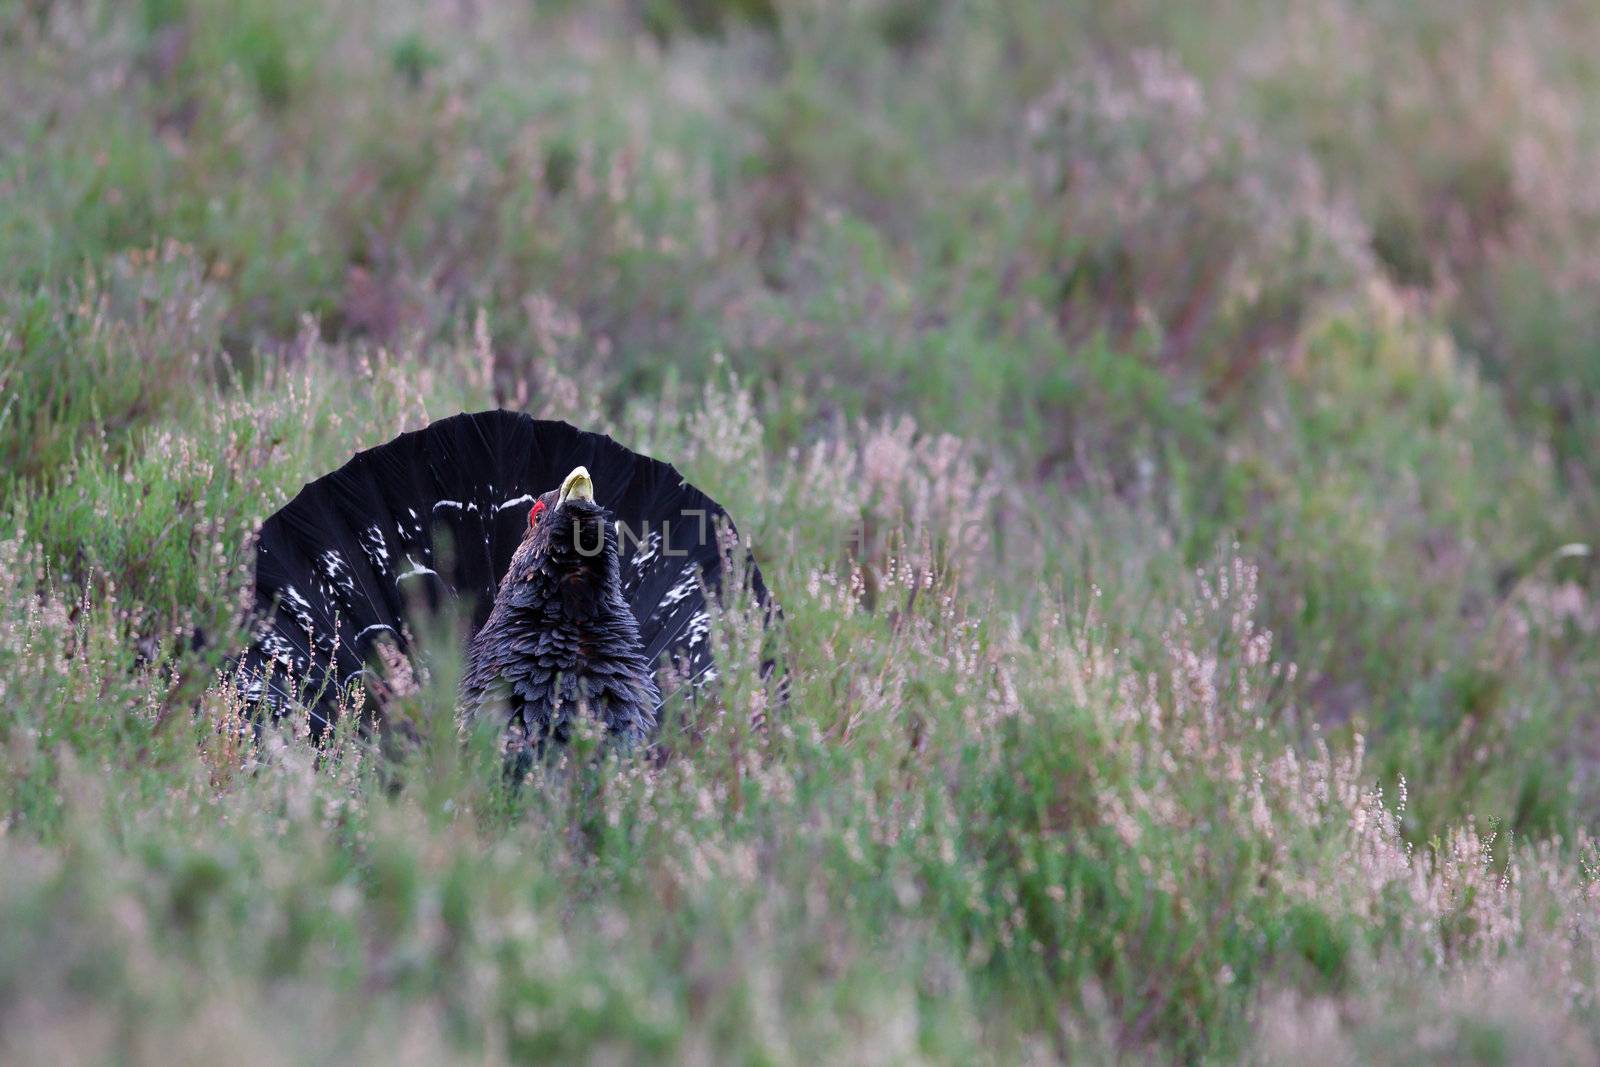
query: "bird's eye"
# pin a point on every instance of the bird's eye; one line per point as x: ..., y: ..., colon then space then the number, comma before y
x: 533, y: 516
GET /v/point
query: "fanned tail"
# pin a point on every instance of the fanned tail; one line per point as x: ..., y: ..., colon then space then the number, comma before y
x: 430, y: 520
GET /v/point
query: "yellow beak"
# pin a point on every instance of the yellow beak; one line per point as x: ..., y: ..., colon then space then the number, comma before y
x: 578, y: 486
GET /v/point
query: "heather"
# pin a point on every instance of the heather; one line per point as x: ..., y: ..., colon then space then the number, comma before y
x: 1170, y: 436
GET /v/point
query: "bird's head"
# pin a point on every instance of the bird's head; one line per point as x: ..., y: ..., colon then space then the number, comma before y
x: 568, y: 535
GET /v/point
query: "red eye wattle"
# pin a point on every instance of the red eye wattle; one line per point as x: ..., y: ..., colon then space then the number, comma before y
x: 533, y: 516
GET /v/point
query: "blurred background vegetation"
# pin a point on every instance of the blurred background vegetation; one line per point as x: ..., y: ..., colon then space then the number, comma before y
x: 1297, y: 297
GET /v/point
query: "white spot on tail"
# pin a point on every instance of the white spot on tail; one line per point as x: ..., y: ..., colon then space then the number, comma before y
x: 525, y: 498
x: 414, y: 570
x: 376, y: 549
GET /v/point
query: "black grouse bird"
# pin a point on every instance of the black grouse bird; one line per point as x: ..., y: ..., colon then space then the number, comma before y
x: 581, y: 588
x: 560, y: 637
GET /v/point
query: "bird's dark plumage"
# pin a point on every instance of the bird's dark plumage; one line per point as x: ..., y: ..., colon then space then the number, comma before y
x: 438, y: 517
x: 560, y: 638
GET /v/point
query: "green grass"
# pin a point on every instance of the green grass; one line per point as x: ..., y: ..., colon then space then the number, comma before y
x: 1170, y: 439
